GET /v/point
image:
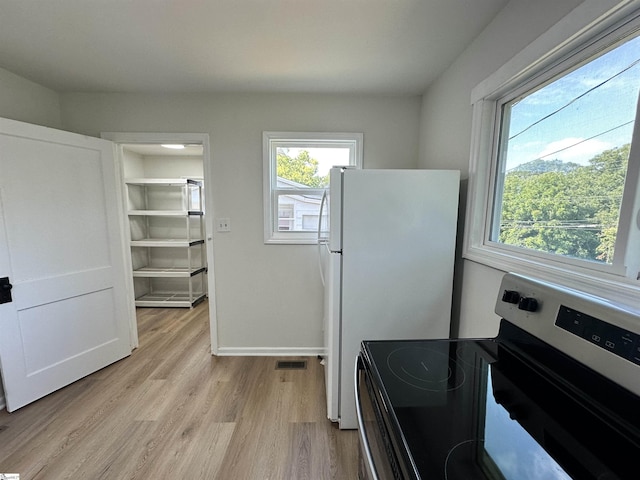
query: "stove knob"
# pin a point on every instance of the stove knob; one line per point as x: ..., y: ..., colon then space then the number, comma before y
x: 510, y: 296
x: 528, y: 304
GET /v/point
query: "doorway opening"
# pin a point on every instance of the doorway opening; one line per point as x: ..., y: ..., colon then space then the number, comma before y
x: 165, y: 189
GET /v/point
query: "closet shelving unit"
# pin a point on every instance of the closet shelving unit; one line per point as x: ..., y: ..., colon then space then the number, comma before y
x: 167, y: 241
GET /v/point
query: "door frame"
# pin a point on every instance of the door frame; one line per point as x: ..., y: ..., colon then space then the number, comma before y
x: 121, y: 138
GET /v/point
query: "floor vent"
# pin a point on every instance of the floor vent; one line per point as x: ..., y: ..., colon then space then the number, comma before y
x: 291, y: 365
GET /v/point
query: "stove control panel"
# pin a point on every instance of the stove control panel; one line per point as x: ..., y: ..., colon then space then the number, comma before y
x: 596, y: 332
x: 617, y: 340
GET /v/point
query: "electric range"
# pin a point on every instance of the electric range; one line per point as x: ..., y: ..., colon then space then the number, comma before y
x: 554, y: 396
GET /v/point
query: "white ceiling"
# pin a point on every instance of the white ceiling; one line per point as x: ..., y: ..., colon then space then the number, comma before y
x: 332, y: 46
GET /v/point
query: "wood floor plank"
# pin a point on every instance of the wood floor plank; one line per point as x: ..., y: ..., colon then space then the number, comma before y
x: 171, y: 410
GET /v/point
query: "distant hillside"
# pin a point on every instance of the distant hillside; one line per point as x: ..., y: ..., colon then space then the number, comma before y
x: 544, y: 166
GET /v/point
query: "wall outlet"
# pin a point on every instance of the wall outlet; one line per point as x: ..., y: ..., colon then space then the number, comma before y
x: 223, y: 225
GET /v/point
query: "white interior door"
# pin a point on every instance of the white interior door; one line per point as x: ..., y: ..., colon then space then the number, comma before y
x: 61, y: 247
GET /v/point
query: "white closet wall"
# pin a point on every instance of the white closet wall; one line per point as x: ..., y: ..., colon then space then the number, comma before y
x: 173, y: 167
x: 132, y: 164
x: 141, y: 166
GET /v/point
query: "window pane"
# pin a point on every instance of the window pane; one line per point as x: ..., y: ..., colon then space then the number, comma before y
x: 298, y: 213
x: 308, y: 166
x: 296, y: 174
x: 563, y: 159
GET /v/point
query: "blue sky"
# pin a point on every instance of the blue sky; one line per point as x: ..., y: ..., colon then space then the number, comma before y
x: 582, y: 122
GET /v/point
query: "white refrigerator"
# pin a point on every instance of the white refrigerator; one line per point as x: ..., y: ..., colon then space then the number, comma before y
x: 387, y: 266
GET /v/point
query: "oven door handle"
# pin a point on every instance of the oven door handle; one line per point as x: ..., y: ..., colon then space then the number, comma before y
x: 363, y: 435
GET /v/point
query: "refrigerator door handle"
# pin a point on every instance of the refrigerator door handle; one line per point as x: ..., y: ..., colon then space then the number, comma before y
x: 321, y: 241
x: 320, y: 262
x: 324, y: 201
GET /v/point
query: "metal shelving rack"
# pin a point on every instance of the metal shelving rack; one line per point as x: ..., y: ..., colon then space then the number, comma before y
x: 150, y: 201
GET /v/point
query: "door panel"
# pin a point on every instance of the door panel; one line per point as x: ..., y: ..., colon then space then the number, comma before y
x: 59, y: 192
x: 40, y: 324
x: 61, y: 247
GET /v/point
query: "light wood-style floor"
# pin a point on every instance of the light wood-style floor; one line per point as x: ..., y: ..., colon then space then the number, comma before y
x: 173, y: 411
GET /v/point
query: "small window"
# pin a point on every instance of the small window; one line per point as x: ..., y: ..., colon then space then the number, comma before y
x: 296, y: 174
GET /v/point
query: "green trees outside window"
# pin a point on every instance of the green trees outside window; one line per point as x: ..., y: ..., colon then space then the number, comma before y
x: 565, y: 208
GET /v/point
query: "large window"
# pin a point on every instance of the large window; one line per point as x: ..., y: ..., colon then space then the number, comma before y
x: 296, y: 174
x: 556, y: 159
x: 563, y: 157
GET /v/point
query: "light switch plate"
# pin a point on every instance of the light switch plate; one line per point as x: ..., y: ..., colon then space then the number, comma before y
x: 223, y: 225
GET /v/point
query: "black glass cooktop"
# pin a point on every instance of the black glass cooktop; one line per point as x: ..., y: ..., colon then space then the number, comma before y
x: 485, y: 409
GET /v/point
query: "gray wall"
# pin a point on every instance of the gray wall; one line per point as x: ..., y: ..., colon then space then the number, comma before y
x: 29, y: 102
x: 267, y: 296
x: 445, y: 136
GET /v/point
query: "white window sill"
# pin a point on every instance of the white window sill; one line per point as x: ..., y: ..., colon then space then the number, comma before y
x: 291, y: 241
x: 614, y: 288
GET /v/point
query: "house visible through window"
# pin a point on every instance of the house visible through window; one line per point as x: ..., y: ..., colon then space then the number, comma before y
x: 285, y: 216
x: 296, y: 171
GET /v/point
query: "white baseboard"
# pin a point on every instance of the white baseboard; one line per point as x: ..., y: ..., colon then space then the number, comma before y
x: 270, y: 351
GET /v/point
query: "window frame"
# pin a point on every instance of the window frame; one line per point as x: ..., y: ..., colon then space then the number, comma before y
x: 578, y: 36
x: 270, y: 142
